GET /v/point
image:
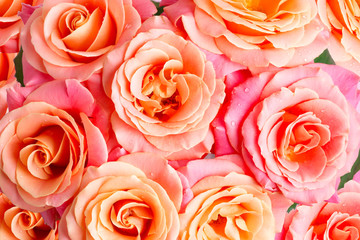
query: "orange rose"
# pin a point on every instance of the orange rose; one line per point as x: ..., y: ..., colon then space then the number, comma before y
x: 7, y: 78
x: 253, y: 33
x: 165, y: 94
x: 70, y: 38
x: 231, y: 207
x: 43, y: 155
x: 342, y: 19
x: 11, y: 24
x: 120, y: 201
x: 327, y: 220
x: 17, y: 223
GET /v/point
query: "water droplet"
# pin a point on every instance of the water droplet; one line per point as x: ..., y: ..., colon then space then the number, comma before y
x: 305, y: 59
x: 322, y: 110
x: 152, y: 174
x: 233, y: 123
x: 246, y: 90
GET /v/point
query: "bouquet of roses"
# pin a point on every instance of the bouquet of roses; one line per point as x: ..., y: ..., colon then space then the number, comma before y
x: 179, y: 119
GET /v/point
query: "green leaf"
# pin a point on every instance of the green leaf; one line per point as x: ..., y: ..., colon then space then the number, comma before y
x: 292, y: 207
x: 160, y: 10
x: 325, y: 57
x: 347, y: 177
x: 18, y: 68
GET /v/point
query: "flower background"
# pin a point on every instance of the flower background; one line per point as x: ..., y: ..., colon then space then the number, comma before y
x: 179, y: 119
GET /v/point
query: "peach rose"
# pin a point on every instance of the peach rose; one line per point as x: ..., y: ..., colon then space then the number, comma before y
x: 253, y: 33
x: 44, y: 151
x: 342, y: 19
x: 70, y: 38
x: 327, y: 221
x: 136, y: 197
x: 295, y: 128
x: 228, y: 204
x: 17, y: 223
x: 165, y: 94
x: 11, y: 24
x: 7, y: 79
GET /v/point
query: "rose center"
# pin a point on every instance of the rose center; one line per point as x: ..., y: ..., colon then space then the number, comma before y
x: 163, y: 97
x: 72, y: 20
x: 131, y: 218
x: 302, y: 134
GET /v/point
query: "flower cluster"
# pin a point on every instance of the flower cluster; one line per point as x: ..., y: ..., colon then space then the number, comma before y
x: 179, y: 119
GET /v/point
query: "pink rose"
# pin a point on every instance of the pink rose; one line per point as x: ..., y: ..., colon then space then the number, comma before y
x: 7, y: 78
x: 227, y: 204
x: 341, y: 19
x: 328, y: 221
x: 17, y: 223
x: 165, y: 94
x: 137, y: 197
x: 296, y: 130
x: 70, y: 38
x: 44, y: 151
x: 11, y: 24
x: 253, y: 33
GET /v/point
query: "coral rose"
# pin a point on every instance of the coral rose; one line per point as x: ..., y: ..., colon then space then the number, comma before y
x: 328, y: 221
x: 295, y: 128
x: 165, y: 95
x: 119, y: 200
x: 342, y: 19
x: 44, y: 151
x: 11, y: 24
x: 253, y: 33
x: 228, y: 204
x: 17, y: 223
x: 7, y: 79
x: 70, y: 38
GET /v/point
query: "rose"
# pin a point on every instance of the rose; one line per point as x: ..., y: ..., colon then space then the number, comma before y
x: 70, y: 38
x: 11, y: 24
x: 17, y: 223
x: 341, y: 18
x: 328, y: 221
x: 295, y: 129
x: 75, y: 98
x: 165, y: 94
x: 136, y: 197
x: 44, y: 151
x: 227, y: 204
x: 7, y: 78
x: 253, y: 33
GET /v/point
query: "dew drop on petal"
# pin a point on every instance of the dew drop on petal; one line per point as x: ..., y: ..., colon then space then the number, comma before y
x: 246, y: 90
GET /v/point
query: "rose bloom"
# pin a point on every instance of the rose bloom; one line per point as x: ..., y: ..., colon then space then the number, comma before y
x: 17, y: 223
x: 7, y: 78
x: 342, y: 19
x: 136, y: 197
x: 227, y: 204
x: 165, y: 94
x: 44, y: 151
x: 296, y: 128
x: 328, y: 221
x: 70, y: 38
x: 11, y: 24
x: 253, y: 33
